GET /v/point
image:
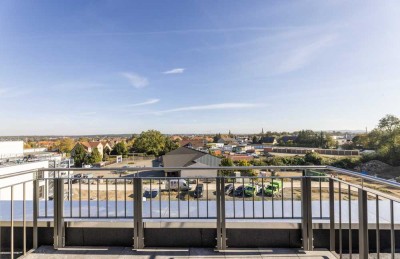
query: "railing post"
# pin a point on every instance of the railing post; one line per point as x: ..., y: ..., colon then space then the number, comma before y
x: 363, y: 223
x: 138, y: 235
x: 58, y: 195
x: 332, y: 215
x: 35, y: 211
x: 306, y: 214
x: 221, y: 222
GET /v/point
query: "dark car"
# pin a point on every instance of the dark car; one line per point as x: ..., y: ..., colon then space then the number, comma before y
x: 76, y: 178
x: 150, y: 193
x: 239, y: 191
x: 198, y: 191
x: 228, y: 189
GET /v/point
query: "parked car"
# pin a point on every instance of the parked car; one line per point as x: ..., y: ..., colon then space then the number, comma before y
x: 238, y: 191
x: 198, y: 191
x: 176, y: 185
x: 228, y: 189
x: 272, y: 189
x: 150, y: 193
x: 76, y: 178
x: 86, y: 178
x: 250, y: 190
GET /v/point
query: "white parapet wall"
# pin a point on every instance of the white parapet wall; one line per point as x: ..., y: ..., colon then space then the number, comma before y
x: 5, y: 193
x: 10, y: 149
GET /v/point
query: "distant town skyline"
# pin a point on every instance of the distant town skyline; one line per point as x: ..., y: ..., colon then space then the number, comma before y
x: 83, y: 68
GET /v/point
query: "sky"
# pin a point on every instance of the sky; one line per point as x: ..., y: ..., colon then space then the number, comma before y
x: 98, y: 67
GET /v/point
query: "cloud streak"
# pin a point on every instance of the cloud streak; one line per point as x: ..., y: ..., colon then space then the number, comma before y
x: 147, y: 102
x: 136, y: 80
x: 174, y: 71
x: 218, y: 106
x: 302, y: 56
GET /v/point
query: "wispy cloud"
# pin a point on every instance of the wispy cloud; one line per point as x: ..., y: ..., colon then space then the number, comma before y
x: 302, y: 56
x: 174, y: 71
x: 218, y: 106
x: 147, y: 102
x: 136, y: 80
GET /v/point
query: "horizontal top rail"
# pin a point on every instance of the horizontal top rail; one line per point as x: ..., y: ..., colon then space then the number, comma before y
x: 364, y: 176
x: 4, y: 176
x: 234, y: 168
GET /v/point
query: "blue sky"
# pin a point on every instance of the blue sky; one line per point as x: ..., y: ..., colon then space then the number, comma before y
x: 91, y: 67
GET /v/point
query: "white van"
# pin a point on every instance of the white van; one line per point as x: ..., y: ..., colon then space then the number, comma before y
x: 175, y: 184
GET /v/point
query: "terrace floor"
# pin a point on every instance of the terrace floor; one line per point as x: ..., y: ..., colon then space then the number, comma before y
x: 127, y: 252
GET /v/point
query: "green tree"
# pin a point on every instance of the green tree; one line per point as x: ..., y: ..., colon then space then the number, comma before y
x: 170, y: 145
x: 226, y: 162
x: 65, y: 145
x: 249, y: 172
x: 313, y: 158
x: 152, y: 142
x: 120, y: 149
x: 217, y: 137
x: 79, y: 155
x: 94, y: 157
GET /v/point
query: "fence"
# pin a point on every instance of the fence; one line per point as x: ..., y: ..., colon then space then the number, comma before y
x: 358, y: 210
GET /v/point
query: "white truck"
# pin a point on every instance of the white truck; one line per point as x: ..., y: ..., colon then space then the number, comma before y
x: 177, y: 184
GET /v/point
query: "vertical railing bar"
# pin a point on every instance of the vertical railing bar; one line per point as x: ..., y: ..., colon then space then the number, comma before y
x: 159, y: 196
x: 363, y: 223
x: 207, y: 195
x: 80, y: 197
x: 378, y: 245
x: 244, y: 209
x: 320, y: 197
x: 151, y: 201
x: 125, y: 196
x: 106, y: 197
x: 223, y: 210
x: 283, y: 214
x: 89, y: 179
x: 197, y: 200
x: 233, y: 196
x: 332, y: 236
x: 70, y: 193
x: 292, y: 195
x: 116, y: 197
x: 392, y: 233
x: 179, y: 198
x: 12, y: 223
x: 45, y: 196
x: 35, y: 212
x: 24, y: 217
x: 340, y: 220
x: 350, y: 229
x: 169, y: 198
x: 98, y: 197
x: 188, y: 198
x: 252, y: 184
x: 263, y: 199
x: 272, y: 198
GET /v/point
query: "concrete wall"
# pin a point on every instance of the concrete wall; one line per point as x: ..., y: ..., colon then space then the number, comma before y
x: 195, y: 237
x: 11, y: 149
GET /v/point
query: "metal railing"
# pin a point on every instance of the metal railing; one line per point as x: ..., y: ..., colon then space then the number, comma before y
x: 342, y: 201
